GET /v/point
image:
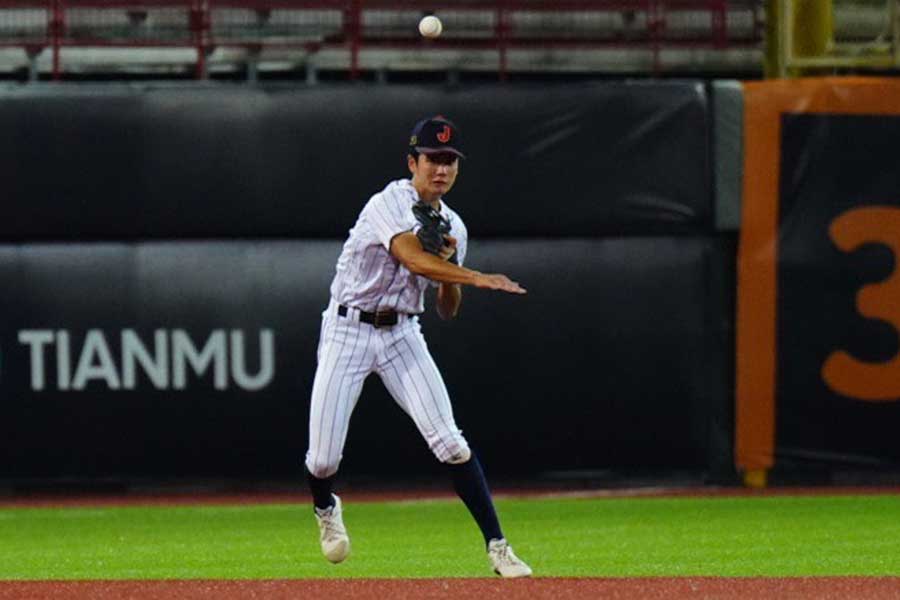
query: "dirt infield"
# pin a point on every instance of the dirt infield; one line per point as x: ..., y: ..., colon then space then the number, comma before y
x: 428, y: 589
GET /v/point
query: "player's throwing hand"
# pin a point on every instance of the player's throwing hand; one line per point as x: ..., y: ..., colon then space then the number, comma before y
x: 496, y: 281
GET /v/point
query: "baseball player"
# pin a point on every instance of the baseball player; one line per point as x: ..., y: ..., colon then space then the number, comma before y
x: 405, y: 239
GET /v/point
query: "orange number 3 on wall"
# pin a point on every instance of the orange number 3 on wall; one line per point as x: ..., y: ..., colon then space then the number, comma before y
x: 876, y: 382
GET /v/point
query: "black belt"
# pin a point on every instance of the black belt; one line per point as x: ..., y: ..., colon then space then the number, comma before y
x: 383, y: 318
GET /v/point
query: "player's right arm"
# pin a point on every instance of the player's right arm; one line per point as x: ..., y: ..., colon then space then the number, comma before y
x: 407, y: 249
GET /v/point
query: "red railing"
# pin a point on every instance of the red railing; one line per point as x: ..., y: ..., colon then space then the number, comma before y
x: 353, y: 25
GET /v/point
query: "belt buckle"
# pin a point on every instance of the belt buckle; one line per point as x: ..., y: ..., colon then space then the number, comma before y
x: 380, y: 319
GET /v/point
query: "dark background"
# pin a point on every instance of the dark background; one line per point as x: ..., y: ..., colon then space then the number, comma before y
x: 150, y: 207
x: 124, y: 162
x: 831, y: 164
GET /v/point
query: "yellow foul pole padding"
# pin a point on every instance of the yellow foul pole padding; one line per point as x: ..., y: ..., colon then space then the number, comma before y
x: 811, y: 33
x: 813, y: 27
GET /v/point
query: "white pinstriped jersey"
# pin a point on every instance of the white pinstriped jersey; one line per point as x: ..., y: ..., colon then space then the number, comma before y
x: 368, y: 277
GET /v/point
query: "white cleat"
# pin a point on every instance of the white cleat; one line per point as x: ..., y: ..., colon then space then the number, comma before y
x: 332, y: 533
x: 504, y: 560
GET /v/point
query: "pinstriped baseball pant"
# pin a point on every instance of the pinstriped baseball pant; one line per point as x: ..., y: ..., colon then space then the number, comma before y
x: 349, y: 351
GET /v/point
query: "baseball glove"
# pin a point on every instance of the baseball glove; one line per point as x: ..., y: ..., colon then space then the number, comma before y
x: 433, y: 229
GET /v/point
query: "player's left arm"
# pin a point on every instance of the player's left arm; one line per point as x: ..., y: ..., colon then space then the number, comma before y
x: 449, y: 295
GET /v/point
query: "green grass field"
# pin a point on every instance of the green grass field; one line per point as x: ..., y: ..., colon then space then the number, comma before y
x: 764, y: 536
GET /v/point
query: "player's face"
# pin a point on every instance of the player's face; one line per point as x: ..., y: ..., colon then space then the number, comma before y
x: 434, y: 174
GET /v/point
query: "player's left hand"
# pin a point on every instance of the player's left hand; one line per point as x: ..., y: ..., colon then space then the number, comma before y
x: 448, y: 250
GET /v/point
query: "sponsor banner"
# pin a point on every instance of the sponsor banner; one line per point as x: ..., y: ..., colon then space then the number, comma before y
x: 165, y: 362
x: 196, y: 359
x: 158, y: 359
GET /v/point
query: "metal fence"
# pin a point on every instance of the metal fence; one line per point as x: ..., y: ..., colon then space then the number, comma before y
x: 357, y: 26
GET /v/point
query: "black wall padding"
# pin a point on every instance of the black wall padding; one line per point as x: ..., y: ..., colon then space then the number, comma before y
x: 119, y: 162
x: 604, y: 363
x: 833, y: 301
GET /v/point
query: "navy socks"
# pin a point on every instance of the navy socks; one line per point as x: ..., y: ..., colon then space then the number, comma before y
x: 321, y: 490
x: 472, y: 488
x: 468, y: 482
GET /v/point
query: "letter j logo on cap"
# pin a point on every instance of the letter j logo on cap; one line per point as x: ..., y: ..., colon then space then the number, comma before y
x: 444, y: 136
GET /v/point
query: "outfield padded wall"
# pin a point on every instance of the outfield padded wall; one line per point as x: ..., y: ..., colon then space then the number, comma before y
x: 593, y: 368
x: 149, y: 280
x: 818, y: 367
x: 130, y: 162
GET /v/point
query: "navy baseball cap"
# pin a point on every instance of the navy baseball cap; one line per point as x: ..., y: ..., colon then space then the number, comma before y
x: 435, y: 134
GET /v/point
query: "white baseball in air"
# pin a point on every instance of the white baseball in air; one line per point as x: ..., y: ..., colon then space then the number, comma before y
x: 430, y: 26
